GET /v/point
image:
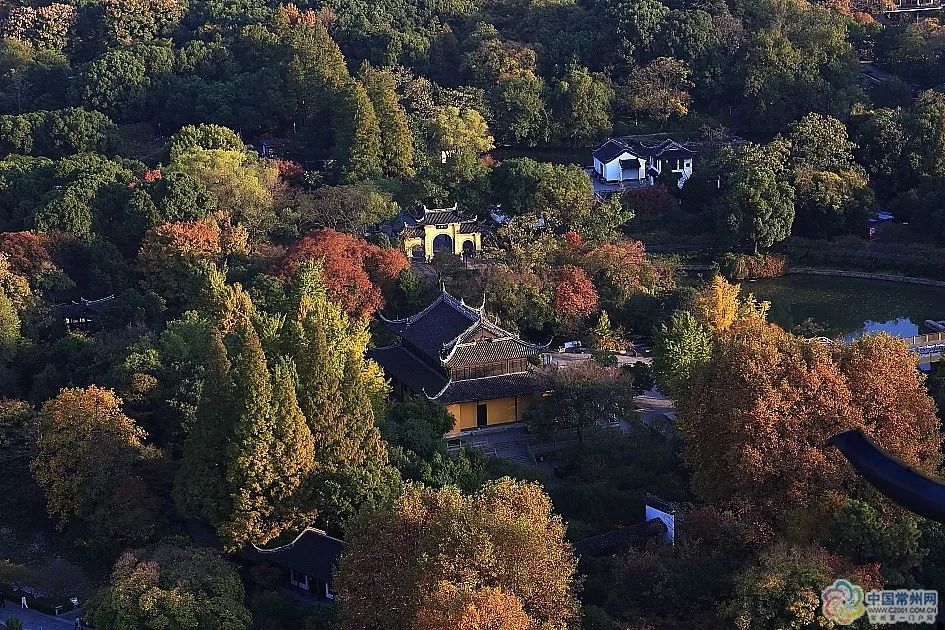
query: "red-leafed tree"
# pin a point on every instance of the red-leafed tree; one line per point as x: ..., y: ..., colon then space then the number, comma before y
x: 356, y: 272
x: 172, y: 253
x: 574, y: 297
x: 27, y: 252
x: 651, y: 200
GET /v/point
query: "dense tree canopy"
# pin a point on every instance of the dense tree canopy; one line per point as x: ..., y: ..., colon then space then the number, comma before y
x: 171, y: 586
x: 767, y: 401
x: 222, y: 181
x: 513, y: 557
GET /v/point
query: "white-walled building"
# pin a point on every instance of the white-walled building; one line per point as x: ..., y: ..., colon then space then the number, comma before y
x: 636, y: 161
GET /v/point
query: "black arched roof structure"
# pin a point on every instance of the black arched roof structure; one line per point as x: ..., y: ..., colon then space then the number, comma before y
x: 894, y: 479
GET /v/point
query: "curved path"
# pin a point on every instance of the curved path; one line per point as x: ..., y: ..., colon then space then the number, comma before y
x: 841, y: 273
x: 869, y: 275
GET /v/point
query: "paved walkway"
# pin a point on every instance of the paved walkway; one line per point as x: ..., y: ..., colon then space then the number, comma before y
x: 34, y: 620
x: 869, y: 275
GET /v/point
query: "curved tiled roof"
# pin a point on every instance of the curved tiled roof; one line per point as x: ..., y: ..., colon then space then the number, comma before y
x: 490, y: 351
x: 609, y: 150
x: 641, y: 147
x: 313, y: 552
x: 415, y: 374
x: 435, y: 217
x: 436, y: 326
x: 451, y: 333
x: 486, y: 388
x: 411, y: 224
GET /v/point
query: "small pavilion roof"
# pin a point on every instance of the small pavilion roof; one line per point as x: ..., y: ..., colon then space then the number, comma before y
x: 313, y: 552
x: 412, y: 222
x: 83, y: 308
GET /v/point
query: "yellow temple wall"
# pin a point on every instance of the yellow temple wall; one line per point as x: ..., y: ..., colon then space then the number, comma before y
x: 498, y: 411
x: 431, y: 232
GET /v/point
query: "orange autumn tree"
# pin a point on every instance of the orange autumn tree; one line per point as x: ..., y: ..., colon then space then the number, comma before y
x: 28, y: 253
x: 356, y: 273
x: 892, y: 396
x: 453, y: 608
x: 438, y: 560
x: 172, y: 254
x: 756, y: 422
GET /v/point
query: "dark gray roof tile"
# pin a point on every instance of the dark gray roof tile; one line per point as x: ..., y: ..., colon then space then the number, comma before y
x: 313, y: 552
x: 488, y: 388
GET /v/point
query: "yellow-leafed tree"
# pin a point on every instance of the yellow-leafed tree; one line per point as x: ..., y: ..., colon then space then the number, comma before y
x: 436, y: 559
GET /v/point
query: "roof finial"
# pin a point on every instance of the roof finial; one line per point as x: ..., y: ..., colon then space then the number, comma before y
x: 482, y: 307
x: 442, y: 285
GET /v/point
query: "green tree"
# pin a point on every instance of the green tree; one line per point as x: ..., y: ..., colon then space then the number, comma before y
x: 518, y: 109
x: 860, y: 532
x: 358, y: 142
x: 396, y: 138
x: 172, y: 587
x: 57, y: 133
x: 205, y: 136
x: 241, y: 183
x: 821, y: 143
x: 581, y: 397
x: 637, y: 24
x: 564, y: 197
x: 87, y: 452
x: 340, y: 394
x: 418, y: 425
x: 200, y: 484
x: 249, y: 472
x: 782, y: 590
x: 582, y: 106
x: 33, y: 78
x: 454, y: 130
x: 252, y: 490
x: 659, y: 91
x: 127, y: 21
x: 881, y: 139
x: 9, y: 327
x: 831, y: 192
x: 682, y: 348
x: 758, y: 206
x: 515, y: 182
x: 796, y: 58
x: 928, y: 134
x: 119, y: 82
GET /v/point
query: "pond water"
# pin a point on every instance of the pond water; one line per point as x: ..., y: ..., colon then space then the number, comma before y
x: 849, y: 306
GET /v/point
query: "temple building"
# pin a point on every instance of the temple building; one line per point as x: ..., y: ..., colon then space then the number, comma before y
x: 439, y: 230
x: 452, y: 354
x: 638, y: 160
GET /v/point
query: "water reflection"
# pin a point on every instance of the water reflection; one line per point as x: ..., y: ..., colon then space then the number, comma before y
x: 849, y: 307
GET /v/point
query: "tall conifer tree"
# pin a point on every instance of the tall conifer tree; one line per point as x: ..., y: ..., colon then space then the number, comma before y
x: 250, y: 473
x: 396, y: 139
x: 200, y: 487
x: 293, y: 452
x: 357, y: 134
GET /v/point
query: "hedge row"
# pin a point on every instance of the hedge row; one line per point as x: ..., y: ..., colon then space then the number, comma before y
x: 753, y: 266
x: 41, y: 604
